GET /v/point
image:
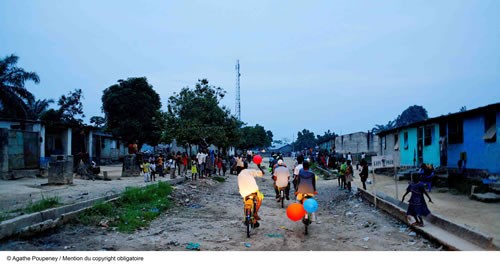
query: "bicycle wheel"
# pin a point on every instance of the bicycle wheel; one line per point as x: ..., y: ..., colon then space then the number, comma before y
x: 306, y: 220
x: 282, y: 195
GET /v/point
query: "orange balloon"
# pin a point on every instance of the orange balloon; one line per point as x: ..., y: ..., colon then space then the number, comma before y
x: 295, y: 211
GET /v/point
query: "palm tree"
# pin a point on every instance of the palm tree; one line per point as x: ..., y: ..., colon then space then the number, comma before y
x: 37, y: 108
x: 13, y: 95
x: 380, y: 128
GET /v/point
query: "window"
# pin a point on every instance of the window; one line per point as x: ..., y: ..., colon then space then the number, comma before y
x: 490, y: 128
x: 384, y: 142
x: 405, y: 140
x: 396, y: 142
x: 456, y: 131
x: 428, y: 135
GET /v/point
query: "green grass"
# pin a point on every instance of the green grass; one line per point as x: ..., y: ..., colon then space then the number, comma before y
x: 219, y: 179
x: 3, y: 216
x: 136, y: 208
x: 43, y: 204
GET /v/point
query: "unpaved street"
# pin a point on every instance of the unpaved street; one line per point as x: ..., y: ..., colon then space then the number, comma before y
x: 212, y: 218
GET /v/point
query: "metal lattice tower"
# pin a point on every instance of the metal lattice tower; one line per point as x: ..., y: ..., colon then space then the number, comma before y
x: 238, y: 104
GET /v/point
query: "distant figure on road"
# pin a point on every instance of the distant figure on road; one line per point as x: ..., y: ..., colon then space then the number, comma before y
x: 416, y: 205
x: 281, y: 179
x: 296, y: 171
x: 364, y: 172
x: 349, y: 175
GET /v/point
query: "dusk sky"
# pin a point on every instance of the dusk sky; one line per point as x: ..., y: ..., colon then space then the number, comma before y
x: 342, y: 66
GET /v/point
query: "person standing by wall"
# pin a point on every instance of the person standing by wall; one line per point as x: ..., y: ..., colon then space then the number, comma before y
x: 364, y: 172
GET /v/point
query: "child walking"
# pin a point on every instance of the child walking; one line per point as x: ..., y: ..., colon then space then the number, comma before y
x: 416, y: 205
x: 194, y: 169
x: 145, y: 169
x: 152, y: 167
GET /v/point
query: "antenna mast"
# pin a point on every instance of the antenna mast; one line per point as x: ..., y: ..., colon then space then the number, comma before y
x: 238, y: 105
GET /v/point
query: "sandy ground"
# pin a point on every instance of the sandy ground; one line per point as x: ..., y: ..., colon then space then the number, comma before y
x: 479, y: 216
x: 17, y: 194
x: 210, y: 214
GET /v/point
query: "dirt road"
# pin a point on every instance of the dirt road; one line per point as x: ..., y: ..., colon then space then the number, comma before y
x: 210, y: 214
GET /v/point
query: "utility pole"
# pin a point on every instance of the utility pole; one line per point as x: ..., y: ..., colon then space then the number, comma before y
x: 238, y: 103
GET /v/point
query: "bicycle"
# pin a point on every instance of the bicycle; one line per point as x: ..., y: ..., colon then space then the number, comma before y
x: 306, y: 219
x: 249, y: 209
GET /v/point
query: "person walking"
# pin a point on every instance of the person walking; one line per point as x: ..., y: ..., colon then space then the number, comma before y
x: 145, y: 169
x: 239, y: 164
x: 185, y: 162
x: 416, y: 205
x: 349, y: 175
x: 160, y: 166
x: 364, y: 172
x: 296, y: 171
x: 342, y: 171
x: 194, y: 169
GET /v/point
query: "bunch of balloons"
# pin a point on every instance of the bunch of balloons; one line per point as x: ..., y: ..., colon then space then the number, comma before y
x: 296, y: 211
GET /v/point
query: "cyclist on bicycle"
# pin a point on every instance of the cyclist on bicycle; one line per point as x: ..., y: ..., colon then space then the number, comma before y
x: 248, y: 186
x: 296, y: 170
x: 281, y: 179
x: 306, y: 184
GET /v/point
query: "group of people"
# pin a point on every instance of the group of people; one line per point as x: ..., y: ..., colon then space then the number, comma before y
x: 204, y: 164
x: 304, y: 181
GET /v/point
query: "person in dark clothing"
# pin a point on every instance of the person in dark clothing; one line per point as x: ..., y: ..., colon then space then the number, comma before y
x: 416, y: 205
x: 364, y: 172
x: 306, y: 182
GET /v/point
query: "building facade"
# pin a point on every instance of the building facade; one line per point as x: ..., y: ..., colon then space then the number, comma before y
x: 467, y: 139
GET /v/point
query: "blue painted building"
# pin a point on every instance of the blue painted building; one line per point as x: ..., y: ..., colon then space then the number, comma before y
x: 469, y: 136
x: 473, y: 137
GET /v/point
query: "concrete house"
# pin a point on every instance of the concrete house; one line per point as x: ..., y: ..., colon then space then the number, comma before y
x: 21, y: 147
x: 26, y: 146
x: 470, y: 136
x: 356, y: 143
x: 473, y: 136
x: 389, y: 145
x: 420, y: 144
x: 327, y: 144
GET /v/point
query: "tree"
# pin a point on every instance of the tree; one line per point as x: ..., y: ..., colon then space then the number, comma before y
x: 71, y: 107
x: 98, y: 121
x: 132, y: 111
x: 380, y: 128
x: 37, y: 108
x: 13, y: 95
x: 70, y: 110
x: 463, y: 108
x: 305, y: 139
x: 194, y: 117
x: 411, y: 115
x: 255, y: 137
x: 326, y: 136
